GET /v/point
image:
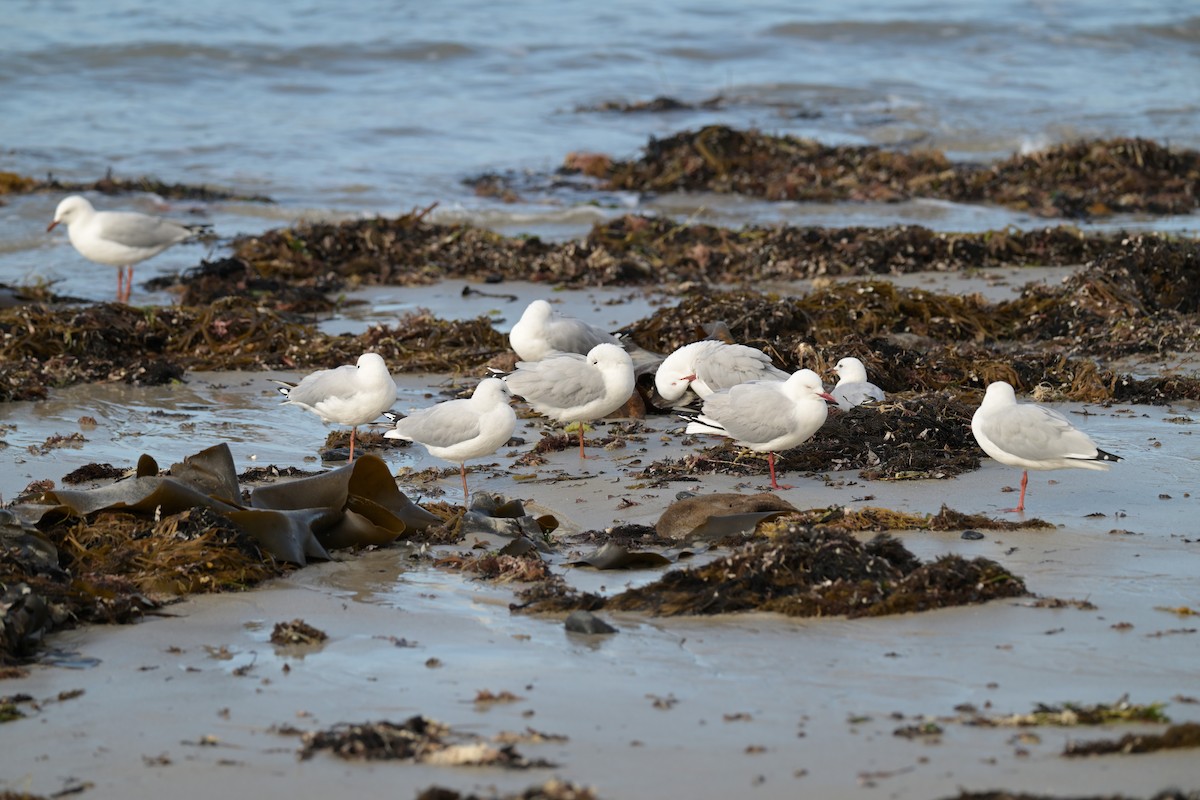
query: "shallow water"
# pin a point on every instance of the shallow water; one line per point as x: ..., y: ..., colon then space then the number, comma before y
x: 366, y: 107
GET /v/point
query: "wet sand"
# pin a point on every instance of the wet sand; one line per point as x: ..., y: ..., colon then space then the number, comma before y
x: 186, y: 704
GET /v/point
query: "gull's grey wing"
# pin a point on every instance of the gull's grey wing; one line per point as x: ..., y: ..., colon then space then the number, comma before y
x: 576, y: 336
x: 324, y: 385
x: 1035, y: 433
x: 751, y: 412
x: 443, y: 425
x: 850, y: 395
x: 731, y: 365
x: 140, y: 230
x: 557, y: 384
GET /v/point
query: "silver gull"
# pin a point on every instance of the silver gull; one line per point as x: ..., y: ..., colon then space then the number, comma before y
x: 766, y: 416
x: 457, y: 430
x: 1030, y: 436
x: 709, y: 366
x: 572, y: 388
x: 118, y: 238
x: 542, y: 332
x: 853, y: 388
x: 354, y: 394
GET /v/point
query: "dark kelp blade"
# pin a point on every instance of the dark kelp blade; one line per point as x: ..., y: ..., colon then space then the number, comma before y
x: 212, y: 472
x: 692, y: 516
x: 617, y: 556
x: 146, y: 494
x: 289, y: 535
x: 368, y: 477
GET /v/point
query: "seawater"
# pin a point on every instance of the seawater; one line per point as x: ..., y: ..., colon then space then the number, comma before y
x: 372, y: 107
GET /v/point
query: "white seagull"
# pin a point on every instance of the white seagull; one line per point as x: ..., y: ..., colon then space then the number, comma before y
x: 767, y: 416
x: 119, y: 238
x: 709, y: 366
x: 572, y: 388
x: 457, y: 430
x: 542, y: 332
x: 354, y: 394
x: 853, y: 388
x: 1030, y: 436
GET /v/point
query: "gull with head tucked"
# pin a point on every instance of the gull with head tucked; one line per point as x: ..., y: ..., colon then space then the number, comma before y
x: 542, y: 332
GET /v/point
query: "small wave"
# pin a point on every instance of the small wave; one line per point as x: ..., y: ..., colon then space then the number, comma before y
x: 881, y: 31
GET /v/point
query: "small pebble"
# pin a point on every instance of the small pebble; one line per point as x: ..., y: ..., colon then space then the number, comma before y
x: 972, y: 535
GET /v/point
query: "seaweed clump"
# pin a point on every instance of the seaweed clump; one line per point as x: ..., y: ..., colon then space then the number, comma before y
x: 927, y: 436
x: 1182, y: 736
x: 11, y: 183
x: 807, y: 572
x: 1079, y: 179
x: 417, y: 739
x: 553, y: 789
x: 42, y: 347
x: 114, y: 568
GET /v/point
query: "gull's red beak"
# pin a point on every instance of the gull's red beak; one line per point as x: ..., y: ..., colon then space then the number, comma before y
x: 827, y: 397
x: 50, y: 227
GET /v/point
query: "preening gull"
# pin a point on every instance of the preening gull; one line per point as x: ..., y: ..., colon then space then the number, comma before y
x: 709, y: 366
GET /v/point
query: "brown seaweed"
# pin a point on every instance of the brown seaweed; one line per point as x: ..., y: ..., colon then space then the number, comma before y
x: 116, y: 551
x: 1077, y: 179
x: 11, y: 183
x: 1185, y: 735
x: 417, y: 739
x: 803, y: 571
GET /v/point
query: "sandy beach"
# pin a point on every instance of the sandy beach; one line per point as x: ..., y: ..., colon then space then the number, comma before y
x: 194, y: 701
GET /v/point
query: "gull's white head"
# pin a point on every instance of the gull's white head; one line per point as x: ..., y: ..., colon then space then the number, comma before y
x: 676, y: 373
x: 850, y: 370
x: 71, y: 209
x: 491, y: 390
x: 537, y: 311
x: 806, y: 383
x: 371, y: 361
x: 999, y: 393
x: 609, y: 355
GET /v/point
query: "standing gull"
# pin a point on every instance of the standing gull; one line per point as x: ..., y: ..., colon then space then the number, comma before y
x: 853, y: 388
x: 1031, y: 437
x: 709, y: 366
x: 543, y: 332
x: 354, y: 394
x: 118, y: 238
x: 572, y: 388
x: 457, y: 430
x: 767, y: 416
